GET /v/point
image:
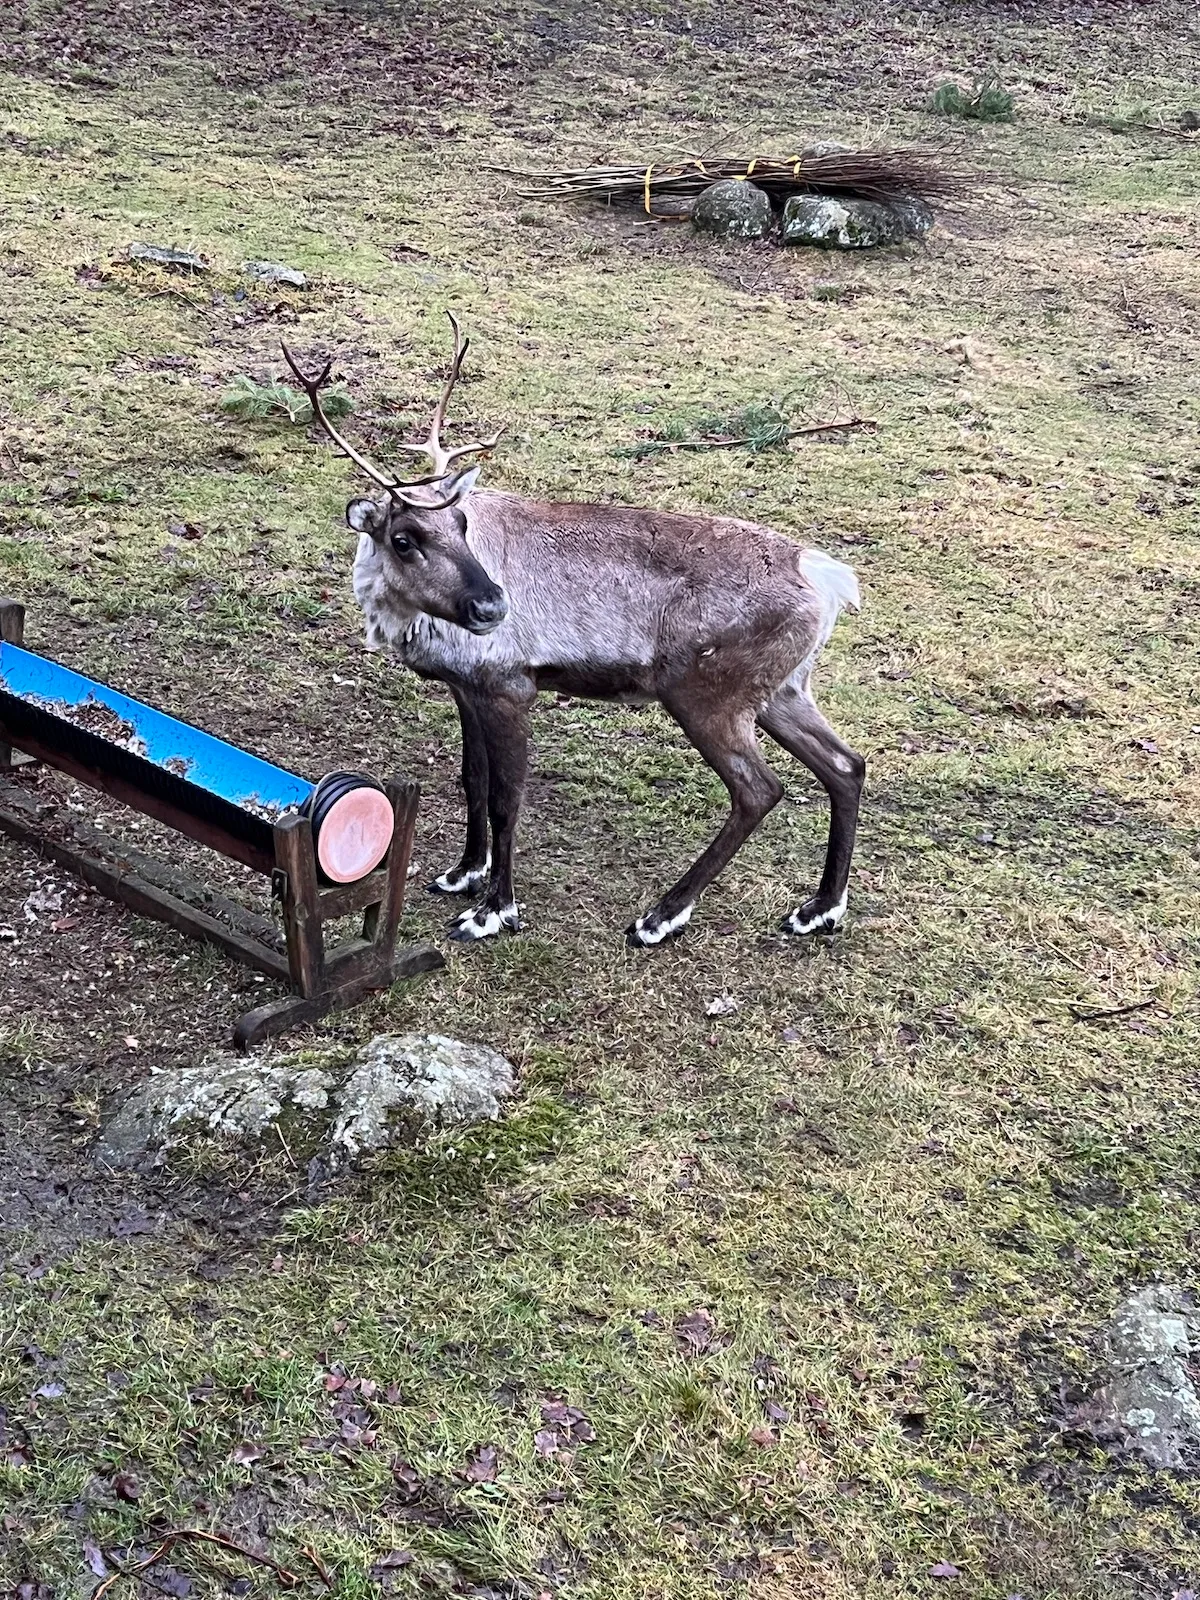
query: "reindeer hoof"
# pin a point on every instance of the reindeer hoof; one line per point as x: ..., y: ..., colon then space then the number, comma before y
x: 460, y: 881
x: 653, y: 928
x: 484, y: 922
x: 813, y: 918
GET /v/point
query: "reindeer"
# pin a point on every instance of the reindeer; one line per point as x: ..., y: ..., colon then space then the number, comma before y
x: 498, y: 597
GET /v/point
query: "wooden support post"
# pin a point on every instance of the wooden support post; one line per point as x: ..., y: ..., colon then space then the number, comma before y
x: 12, y: 631
x: 297, y: 861
x: 382, y: 920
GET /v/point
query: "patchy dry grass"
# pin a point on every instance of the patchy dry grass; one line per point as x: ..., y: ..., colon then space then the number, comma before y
x: 905, y: 1184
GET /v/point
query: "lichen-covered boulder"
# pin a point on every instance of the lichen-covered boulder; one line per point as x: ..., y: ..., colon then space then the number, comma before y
x: 407, y: 1084
x: 227, y: 1098
x: 836, y: 224
x: 733, y: 209
x: 338, y: 1107
x: 1148, y: 1405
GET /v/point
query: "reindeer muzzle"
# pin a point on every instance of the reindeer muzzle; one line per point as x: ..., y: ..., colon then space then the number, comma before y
x: 485, y: 613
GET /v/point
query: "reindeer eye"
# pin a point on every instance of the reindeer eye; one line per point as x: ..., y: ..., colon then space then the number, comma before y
x: 402, y: 544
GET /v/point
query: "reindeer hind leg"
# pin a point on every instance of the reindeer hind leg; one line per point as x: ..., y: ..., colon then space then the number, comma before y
x: 792, y: 719
x: 727, y: 742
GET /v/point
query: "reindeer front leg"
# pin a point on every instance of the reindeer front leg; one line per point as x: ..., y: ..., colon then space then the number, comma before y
x: 504, y: 725
x: 471, y: 873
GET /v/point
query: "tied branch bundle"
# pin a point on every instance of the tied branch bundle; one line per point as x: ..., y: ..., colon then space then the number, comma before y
x: 887, y: 176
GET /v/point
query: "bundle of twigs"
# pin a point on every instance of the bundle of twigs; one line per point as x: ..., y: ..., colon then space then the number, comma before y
x: 884, y: 175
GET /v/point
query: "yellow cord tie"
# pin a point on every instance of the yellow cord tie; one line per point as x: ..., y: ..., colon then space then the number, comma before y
x: 649, y: 173
x: 751, y: 167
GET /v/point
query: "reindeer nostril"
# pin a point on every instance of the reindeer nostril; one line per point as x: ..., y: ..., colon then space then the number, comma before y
x: 489, y: 611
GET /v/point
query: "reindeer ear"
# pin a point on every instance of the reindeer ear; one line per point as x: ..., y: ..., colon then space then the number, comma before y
x: 366, y: 516
x: 458, y: 488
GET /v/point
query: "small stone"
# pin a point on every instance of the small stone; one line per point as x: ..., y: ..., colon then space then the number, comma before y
x: 176, y: 260
x: 844, y: 224
x: 733, y: 208
x: 828, y: 147
x: 275, y: 272
x: 1189, y: 121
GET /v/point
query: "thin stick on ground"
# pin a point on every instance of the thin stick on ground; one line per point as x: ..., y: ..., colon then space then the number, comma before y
x: 1116, y: 1011
x: 837, y: 425
x: 286, y: 1579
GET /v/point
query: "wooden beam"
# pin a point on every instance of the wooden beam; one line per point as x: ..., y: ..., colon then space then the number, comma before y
x: 278, y: 1016
x: 382, y: 921
x: 144, y: 898
x: 125, y: 858
x: 150, y: 805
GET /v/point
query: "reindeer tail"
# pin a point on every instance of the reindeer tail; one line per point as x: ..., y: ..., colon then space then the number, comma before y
x: 836, y: 587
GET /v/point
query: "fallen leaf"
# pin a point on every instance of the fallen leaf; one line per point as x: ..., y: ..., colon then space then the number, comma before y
x: 482, y: 1466
x: 406, y: 1479
x: 51, y: 1390
x: 130, y: 1042
x: 125, y: 1487
x: 944, y: 1569
x: 247, y: 1453
x: 545, y: 1441
x: 696, y: 1333
x: 63, y: 924
x: 776, y: 1412
x: 186, y: 530
x: 393, y: 1559
x: 571, y: 1423
x: 95, y: 1559
x: 277, y: 1264
x: 764, y: 1436
x: 723, y: 1005
x: 132, y: 1222
x: 169, y: 1581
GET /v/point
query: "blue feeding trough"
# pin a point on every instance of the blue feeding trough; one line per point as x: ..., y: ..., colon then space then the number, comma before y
x: 116, y: 743
x: 331, y: 848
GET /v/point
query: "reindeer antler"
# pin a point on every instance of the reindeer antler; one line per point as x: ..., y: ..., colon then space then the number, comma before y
x: 438, y: 454
x: 312, y: 388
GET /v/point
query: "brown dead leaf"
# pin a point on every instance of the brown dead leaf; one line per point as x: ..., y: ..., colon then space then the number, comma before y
x: 696, y: 1333
x: 126, y: 1487
x: 482, y: 1466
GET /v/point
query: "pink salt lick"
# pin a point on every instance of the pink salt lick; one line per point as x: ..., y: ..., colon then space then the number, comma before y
x: 354, y: 835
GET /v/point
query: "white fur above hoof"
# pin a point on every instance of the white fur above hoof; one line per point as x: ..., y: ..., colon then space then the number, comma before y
x: 810, y: 918
x: 484, y: 923
x: 651, y: 929
x: 459, y: 882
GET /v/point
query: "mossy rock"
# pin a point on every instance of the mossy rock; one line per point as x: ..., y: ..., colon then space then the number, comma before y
x: 830, y: 223
x: 340, y: 1106
x: 733, y: 209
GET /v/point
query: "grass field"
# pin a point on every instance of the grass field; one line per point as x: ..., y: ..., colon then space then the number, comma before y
x: 902, y: 1184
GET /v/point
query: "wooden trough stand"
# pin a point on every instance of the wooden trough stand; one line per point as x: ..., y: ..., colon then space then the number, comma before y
x: 330, y: 849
